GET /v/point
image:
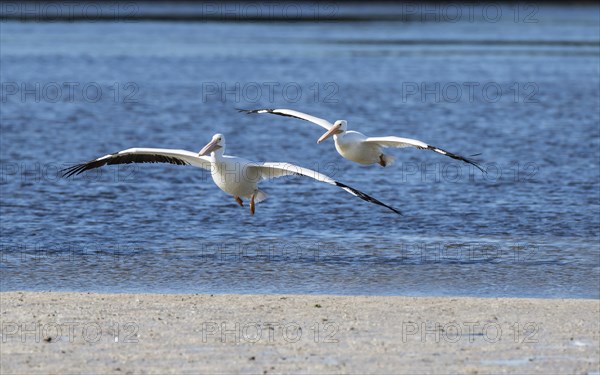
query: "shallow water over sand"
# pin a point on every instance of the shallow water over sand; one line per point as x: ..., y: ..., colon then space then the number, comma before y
x: 525, y: 95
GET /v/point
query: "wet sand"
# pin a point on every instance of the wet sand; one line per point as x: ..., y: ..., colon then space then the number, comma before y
x: 50, y: 332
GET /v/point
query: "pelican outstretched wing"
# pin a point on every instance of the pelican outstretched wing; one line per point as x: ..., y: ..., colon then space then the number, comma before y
x: 407, y: 142
x: 142, y: 155
x: 274, y: 170
x: 291, y: 113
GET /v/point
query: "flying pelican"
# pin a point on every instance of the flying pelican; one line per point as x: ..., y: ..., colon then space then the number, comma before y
x: 236, y: 176
x: 356, y: 146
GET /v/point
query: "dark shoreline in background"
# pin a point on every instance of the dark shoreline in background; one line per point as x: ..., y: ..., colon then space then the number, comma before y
x: 270, y: 11
x: 282, y: 2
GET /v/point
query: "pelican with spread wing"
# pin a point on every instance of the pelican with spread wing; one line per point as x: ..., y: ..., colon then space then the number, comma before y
x: 356, y: 146
x: 236, y: 176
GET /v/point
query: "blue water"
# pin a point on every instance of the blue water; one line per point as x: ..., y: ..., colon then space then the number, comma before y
x: 530, y: 227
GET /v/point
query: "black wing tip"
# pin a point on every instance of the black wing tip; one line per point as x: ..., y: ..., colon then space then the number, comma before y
x: 474, y: 163
x: 458, y: 157
x: 366, y: 197
x: 74, y: 170
x: 395, y: 210
x: 251, y: 111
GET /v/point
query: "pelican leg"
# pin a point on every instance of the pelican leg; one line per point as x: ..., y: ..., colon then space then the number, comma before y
x: 252, y: 205
x: 239, y: 201
x: 382, y: 161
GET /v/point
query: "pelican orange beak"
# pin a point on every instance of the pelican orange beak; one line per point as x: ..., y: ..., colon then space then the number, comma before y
x: 210, y: 147
x: 334, y: 130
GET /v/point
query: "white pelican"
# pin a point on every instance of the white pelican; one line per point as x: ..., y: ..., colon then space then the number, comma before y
x: 356, y: 146
x: 236, y: 176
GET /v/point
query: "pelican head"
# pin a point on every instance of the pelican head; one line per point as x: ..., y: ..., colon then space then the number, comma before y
x: 339, y: 127
x: 216, y: 143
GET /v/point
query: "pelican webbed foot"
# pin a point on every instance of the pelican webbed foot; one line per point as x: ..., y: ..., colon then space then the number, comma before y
x: 239, y: 201
x: 252, y: 204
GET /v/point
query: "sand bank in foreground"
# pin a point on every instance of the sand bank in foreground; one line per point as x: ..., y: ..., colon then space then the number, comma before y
x: 151, y: 333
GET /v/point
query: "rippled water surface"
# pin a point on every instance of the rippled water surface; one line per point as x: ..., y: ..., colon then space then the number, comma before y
x: 524, y: 95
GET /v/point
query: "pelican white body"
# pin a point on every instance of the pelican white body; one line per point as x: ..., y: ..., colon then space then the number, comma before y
x: 232, y: 175
x: 351, y: 146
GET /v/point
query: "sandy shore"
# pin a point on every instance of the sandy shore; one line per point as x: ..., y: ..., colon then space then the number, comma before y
x: 151, y: 333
